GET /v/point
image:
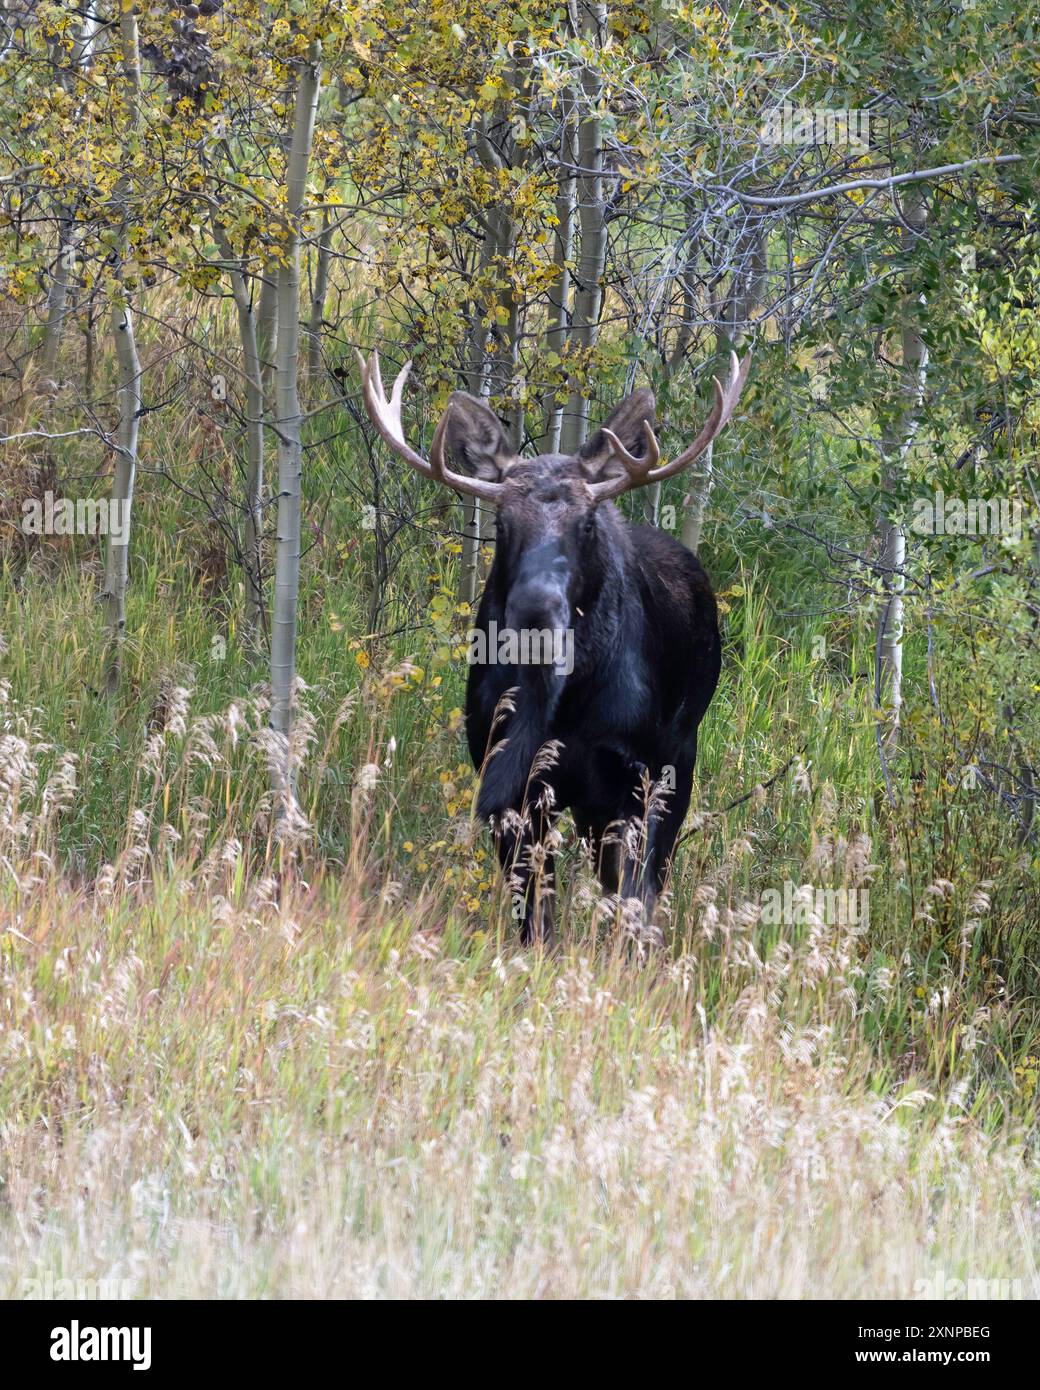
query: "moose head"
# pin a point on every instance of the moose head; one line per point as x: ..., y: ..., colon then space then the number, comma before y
x: 552, y: 529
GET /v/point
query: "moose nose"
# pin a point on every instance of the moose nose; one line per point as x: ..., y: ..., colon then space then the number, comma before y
x: 538, y: 604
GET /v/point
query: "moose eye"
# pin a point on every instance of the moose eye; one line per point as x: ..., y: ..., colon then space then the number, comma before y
x: 590, y: 524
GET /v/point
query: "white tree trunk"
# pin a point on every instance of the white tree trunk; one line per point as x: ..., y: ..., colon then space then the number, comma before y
x: 472, y: 530
x: 560, y: 294
x: 895, y: 446
x: 701, y: 480
x: 122, y: 494
x: 253, y: 502
x: 290, y: 451
x: 498, y: 245
x: 592, y: 254
x: 253, y: 530
x: 117, y: 559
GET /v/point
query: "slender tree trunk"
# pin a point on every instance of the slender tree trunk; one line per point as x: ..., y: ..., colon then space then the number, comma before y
x: 749, y: 282
x: 290, y: 450
x: 253, y: 529
x: 592, y: 255
x: 131, y: 62
x: 498, y: 248
x: 701, y: 480
x: 83, y: 50
x: 560, y: 293
x: 477, y: 384
x: 267, y: 339
x: 895, y: 447
x: 318, y: 293
x: 57, y: 300
x: 117, y: 560
x: 58, y: 290
x: 687, y: 280
x: 472, y: 528
x: 122, y: 493
x: 267, y: 325
x: 503, y: 363
x: 253, y: 502
x: 89, y: 350
x: 652, y: 495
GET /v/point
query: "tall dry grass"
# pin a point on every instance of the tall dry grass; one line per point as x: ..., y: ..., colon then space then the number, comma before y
x: 229, y: 1067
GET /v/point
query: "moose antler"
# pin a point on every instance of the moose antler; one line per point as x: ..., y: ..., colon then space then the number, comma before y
x: 386, y: 416
x: 639, y: 472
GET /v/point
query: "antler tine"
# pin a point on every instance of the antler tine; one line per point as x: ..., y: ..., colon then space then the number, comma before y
x: 439, y: 469
x: 725, y: 403
x: 398, y: 390
x: 738, y: 372
x: 461, y: 482
x: 636, y: 467
x: 386, y: 416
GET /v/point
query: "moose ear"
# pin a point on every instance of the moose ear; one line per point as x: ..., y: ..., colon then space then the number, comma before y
x: 476, y: 440
x: 626, y: 421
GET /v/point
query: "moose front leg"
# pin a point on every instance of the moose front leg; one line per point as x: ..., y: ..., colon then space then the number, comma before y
x: 621, y: 859
x: 525, y: 842
x: 632, y: 848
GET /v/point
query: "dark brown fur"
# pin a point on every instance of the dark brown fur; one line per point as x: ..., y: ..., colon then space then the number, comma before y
x: 646, y: 658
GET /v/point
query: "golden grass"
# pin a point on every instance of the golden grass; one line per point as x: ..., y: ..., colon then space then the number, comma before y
x: 237, y: 1098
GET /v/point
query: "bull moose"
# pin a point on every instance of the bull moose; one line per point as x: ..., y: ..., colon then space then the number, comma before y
x: 610, y: 733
